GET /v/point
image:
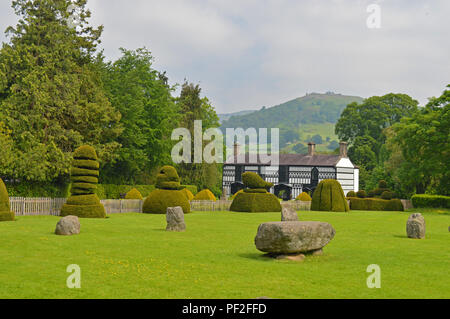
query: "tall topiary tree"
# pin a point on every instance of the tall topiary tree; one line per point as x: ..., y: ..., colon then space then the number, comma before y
x: 84, y: 177
x: 5, y: 210
x: 329, y: 196
x: 167, y: 193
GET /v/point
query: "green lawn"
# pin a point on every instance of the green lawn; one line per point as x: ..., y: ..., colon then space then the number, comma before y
x: 132, y: 256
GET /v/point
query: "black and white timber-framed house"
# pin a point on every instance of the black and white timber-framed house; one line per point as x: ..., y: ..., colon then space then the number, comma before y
x: 295, y: 173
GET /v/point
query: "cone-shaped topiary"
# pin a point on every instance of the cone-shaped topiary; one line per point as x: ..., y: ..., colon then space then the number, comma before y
x: 5, y: 210
x: 169, y: 193
x: 188, y: 194
x: 255, y: 197
x: 329, y: 196
x: 205, y: 194
x: 134, y: 194
x: 304, y: 197
x: 84, y: 176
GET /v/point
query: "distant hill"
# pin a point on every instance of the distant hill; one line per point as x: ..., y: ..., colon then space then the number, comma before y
x: 224, y: 117
x: 311, y: 117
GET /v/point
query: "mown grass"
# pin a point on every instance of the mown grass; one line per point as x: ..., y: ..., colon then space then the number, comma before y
x: 132, y: 256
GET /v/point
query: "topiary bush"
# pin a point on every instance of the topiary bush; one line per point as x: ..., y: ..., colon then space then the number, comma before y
x: 255, y: 198
x: 329, y: 196
x: 387, y: 195
x: 376, y: 204
x: 83, y: 202
x: 382, y: 184
x: 168, y: 193
x: 205, y: 194
x: 188, y: 194
x: 5, y: 210
x: 234, y: 195
x: 434, y: 201
x: 361, y: 194
x: 351, y: 194
x: 134, y: 194
x: 304, y: 197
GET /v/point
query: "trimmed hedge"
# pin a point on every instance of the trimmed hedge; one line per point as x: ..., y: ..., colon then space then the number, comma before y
x: 234, y: 195
x: 158, y: 201
x: 205, y: 194
x: 113, y: 191
x: 351, y: 194
x: 255, y: 202
x: 253, y: 180
x: 329, y: 196
x: 376, y: 204
x: 434, y: 201
x: 168, y: 178
x: 5, y: 210
x: 188, y: 194
x: 361, y: 194
x: 255, y: 190
x: 387, y: 195
x: 133, y: 194
x: 83, y: 202
x: 304, y: 197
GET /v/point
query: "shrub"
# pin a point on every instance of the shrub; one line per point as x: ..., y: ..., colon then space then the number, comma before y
x: 387, y: 195
x: 351, y: 194
x: 382, y: 184
x: 376, y: 204
x: 205, y: 194
x: 329, y: 196
x: 361, y: 194
x: 255, y: 202
x: 191, y: 188
x: 234, y: 195
x: 158, y: 201
x: 379, y: 191
x: 134, y: 194
x: 168, y: 178
x: 304, y: 197
x: 435, y: 201
x: 84, y: 202
x: 5, y: 210
x: 370, y: 193
x: 188, y: 194
x: 253, y: 180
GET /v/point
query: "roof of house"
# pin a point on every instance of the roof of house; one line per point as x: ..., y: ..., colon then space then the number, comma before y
x: 293, y: 160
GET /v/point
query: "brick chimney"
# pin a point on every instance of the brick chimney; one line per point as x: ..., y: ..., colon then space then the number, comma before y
x: 236, y: 148
x: 311, y: 148
x: 343, y: 149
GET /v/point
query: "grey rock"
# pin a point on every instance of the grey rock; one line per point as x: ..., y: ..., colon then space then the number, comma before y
x: 69, y: 225
x: 288, y: 214
x: 175, y: 219
x: 415, y: 226
x: 293, y: 237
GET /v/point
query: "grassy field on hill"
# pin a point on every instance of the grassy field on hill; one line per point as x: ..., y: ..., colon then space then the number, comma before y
x: 132, y: 256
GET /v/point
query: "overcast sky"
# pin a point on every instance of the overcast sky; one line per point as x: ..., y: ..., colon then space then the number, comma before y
x: 246, y: 54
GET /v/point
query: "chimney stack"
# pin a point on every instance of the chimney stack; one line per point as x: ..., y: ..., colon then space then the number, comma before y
x: 236, y: 149
x: 343, y: 149
x: 311, y: 148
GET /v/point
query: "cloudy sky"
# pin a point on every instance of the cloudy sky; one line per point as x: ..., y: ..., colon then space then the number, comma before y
x: 246, y: 54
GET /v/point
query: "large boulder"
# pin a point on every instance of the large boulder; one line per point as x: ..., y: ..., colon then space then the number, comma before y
x: 69, y: 225
x: 415, y: 226
x: 293, y: 237
x: 288, y: 214
x: 175, y: 219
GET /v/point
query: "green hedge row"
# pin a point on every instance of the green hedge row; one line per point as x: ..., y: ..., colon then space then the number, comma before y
x: 112, y: 191
x: 35, y: 189
x: 436, y: 201
x: 375, y: 204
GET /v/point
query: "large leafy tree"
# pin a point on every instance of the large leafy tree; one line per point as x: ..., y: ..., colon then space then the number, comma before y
x: 194, y: 107
x: 51, y: 95
x: 149, y: 114
x: 420, y: 149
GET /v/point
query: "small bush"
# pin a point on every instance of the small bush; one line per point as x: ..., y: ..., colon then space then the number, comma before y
x: 5, y: 210
x: 329, y: 196
x: 351, y: 194
x: 432, y: 201
x: 188, y: 194
x: 253, y: 180
x: 134, y: 194
x: 304, y: 197
x: 158, y: 201
x: 376, y: 204
x: 370, y: 193
x: 387, y: 195
x: 382, y: 184
x: 255, y: 202
x: 361, y: 194
x: 205, y: 194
